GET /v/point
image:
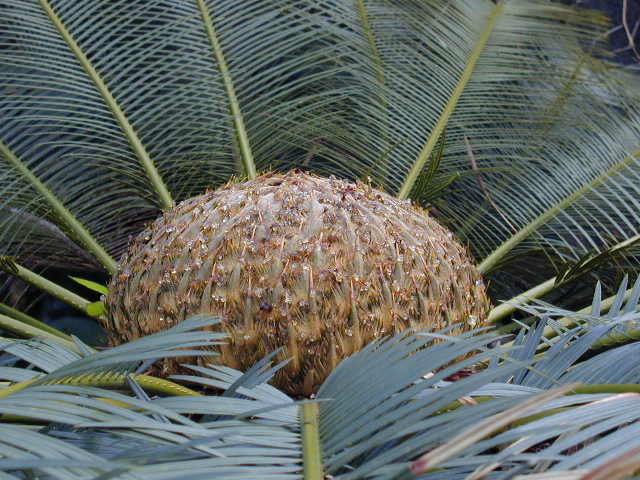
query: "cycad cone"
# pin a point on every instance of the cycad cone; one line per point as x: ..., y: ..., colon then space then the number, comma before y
x: 318, y: 266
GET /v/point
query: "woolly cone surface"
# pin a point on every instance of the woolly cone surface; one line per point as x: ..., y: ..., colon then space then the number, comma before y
x: 319, y: 266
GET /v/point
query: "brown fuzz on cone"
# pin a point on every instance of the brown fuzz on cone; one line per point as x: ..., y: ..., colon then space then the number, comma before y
x: 318, y: 266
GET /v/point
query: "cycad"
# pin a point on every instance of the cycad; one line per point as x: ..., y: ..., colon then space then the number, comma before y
x: 495, y: 116
x: 314, y: 267
x: 373, y: 415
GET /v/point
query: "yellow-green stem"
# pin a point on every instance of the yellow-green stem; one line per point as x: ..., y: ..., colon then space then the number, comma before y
x: 160, y: 188
x: 506, y: 308
x: 29, y: 331
x: 234, y: 104
x: 47, y: 285
x: 29, y: 320
x: 440, y: 125
x: 311, y: 442
x: 148, y: 382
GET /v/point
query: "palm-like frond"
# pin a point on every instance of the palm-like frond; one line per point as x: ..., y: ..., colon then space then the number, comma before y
x: 103, y: 129
x: 106, y: 121
x: 112, y: 112
x: 562, y: 201
x: 377, y: 411
x: 475, y: 68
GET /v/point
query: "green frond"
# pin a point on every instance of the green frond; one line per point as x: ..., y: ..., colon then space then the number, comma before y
x: 9, y: 265
x: 555, y: 209
x: 34, y: 331
x: 133, y: 138
x: 61, y: 211
x: 447, y: 111
x: 150, y: 105
x: 241, y: 132
x: 112, y: 110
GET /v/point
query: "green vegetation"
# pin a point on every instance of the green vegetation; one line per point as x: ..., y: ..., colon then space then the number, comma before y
x: 504, y: 120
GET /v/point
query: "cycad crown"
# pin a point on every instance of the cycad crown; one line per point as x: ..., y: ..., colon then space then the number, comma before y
x: 98, y: 132
x: 319, y: 266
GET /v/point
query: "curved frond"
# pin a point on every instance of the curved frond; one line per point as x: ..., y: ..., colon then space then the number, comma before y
x: 128, y: 130
x: 381, y: 408
x: 184, y: 94
x: 241, y: 132
x: 112, y: 110
x: 61, y: 211
x: 524, y: 105
x: 103, y: 111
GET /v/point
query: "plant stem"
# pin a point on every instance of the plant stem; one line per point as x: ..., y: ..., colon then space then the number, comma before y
x: 48, y: 286
x: 158, y: 385
x: 29, y: 320
x: 311, y: 442
x: 30, y: 331
x: 504, y: 309
x: 510, y: 306
x: 160, y: 188
x: 162, y: 385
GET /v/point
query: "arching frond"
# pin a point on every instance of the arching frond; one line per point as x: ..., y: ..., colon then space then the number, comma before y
x: 106, y: 120
x: 381, y: 408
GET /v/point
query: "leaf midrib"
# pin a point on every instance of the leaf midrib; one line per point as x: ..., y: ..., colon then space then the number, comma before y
x: 449, y: 108
x: 494, y: 257
x: 67, y: 218
x: 149, y: 166
x: 234, y: 104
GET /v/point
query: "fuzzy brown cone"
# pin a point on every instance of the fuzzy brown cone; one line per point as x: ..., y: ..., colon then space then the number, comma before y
x: 318, y: 266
